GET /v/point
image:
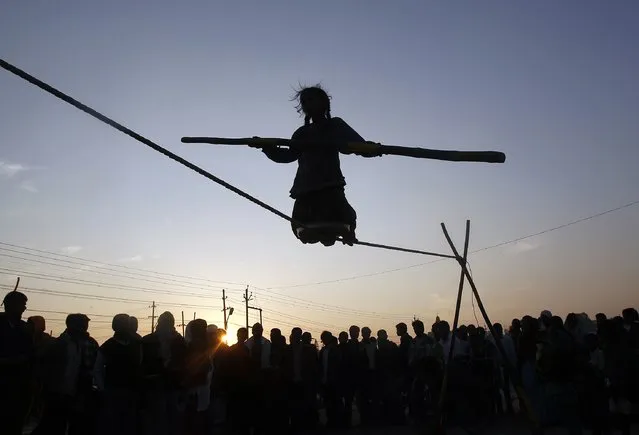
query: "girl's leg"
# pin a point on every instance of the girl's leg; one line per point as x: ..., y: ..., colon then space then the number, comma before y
x: 303, y: 214
x: 328, y: 207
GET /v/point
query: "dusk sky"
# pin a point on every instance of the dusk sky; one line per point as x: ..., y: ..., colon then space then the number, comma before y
x: 552, y: 84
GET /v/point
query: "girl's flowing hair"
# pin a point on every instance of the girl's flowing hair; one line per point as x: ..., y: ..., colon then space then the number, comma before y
x: 317, y: 90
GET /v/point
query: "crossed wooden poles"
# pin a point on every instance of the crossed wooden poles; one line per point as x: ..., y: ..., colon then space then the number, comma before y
x: 514, y: 374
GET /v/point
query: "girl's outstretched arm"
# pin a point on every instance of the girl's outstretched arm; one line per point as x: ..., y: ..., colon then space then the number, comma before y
x: 280, y: 155
x: 348, y: 134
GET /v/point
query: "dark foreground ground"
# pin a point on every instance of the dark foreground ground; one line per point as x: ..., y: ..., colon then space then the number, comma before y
x: 501, y: 426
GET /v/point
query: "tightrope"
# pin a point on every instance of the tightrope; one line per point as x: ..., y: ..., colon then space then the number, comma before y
x: 105, y: 119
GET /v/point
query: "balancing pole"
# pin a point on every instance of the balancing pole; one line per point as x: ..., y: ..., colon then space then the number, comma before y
x: 359, y: 147
x: 439, y: 420
x: 516, y: 378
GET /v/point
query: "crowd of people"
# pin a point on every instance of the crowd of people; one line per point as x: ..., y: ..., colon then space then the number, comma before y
x: 572, y: 372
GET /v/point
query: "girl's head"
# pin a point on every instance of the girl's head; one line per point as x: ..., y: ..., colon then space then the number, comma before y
x: 314, y: 102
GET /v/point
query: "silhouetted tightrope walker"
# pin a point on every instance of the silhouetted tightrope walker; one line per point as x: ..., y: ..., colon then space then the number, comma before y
x: 321, y: 212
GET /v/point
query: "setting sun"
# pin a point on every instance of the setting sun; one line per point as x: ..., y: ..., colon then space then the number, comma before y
x: 228, y: 337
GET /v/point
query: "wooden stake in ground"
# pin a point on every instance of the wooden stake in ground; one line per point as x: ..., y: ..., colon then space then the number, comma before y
x: 449, y: 357
x: 511, y: 369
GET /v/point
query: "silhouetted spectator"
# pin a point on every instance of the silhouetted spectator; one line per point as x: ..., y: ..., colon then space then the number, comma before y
x: 41, y: 342
x: 197, y: 377
x: 631, y: 325
x: 601, y: 319
x: 515, y: 331
x: 368, y: 378
x: 133, y: 322
x: 405, y: 346
x: 41, y: 339
x: 236, y: 372
x: 460, y: 348
x: 307, y: 338
x: 219, y: 351
x: 593, y: 395
x: 260, y: 355
x: 16, y: 364
x: 352, y: 359
x: 278, y: 346
x: 504, y: 379
x: 301, y: 370
x: 276, y: 418
x: 560, y: 368
x: 389, y: 379
x: 88, y: 410
x: 618, y: 371
x: 62, y: 385
x: 422, y: 345
x: 117, y: 376
x: 329, y: 358
x: 163, y: 354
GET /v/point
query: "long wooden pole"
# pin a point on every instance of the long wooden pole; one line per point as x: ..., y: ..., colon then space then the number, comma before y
x: 449, y: 357
x: 516, y: 378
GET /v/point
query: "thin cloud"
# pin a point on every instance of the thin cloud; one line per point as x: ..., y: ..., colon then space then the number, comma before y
x: 70, y: 250
x: 29, y: 186
x: 521, y: 247
x: 134, y: 259
x: 9, y: 170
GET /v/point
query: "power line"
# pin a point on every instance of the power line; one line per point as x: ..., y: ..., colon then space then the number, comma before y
x: 35, y: 310
x: 51, y: 292
x: 308, y: 304
x: 279, y: 317
x: 335, y: 309
x: 320, y: 306
x: 123, y: 287
x: 282, y: 299
x: 508, y: 242
x: 121, y: 266
x: 98, y: 322
x: 101, y: 270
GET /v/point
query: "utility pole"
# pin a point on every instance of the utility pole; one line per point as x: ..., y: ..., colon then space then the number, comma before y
x: 153, y: 317
x: 247, y: 298
x: 225, y: 309
x: 182, y: 325
x: 258, y: 309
